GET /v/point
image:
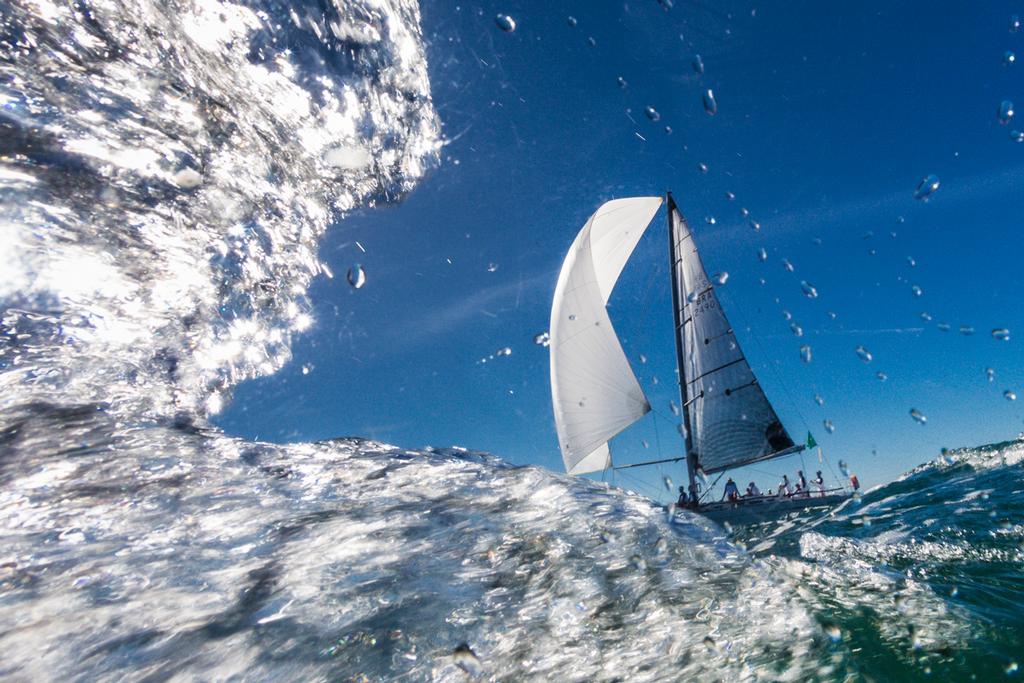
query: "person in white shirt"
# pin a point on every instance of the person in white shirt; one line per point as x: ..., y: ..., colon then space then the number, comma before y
x: 819, y: 481
x: 752, y: 489
x: 784, y: 489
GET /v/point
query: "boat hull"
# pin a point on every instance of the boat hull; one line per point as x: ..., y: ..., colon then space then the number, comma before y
x: 766, y: 508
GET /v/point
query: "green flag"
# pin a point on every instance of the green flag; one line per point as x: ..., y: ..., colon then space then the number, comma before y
x: 811, y: 443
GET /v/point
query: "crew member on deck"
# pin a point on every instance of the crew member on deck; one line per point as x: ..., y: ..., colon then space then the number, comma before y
x: 819, y: 481
x: 784, y: 489
x: 752, y: 490
x: 801, y: 482
x: 684, y: 500
x: 732, y: 492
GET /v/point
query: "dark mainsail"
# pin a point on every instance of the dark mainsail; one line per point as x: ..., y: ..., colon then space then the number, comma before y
x: 729, y: 420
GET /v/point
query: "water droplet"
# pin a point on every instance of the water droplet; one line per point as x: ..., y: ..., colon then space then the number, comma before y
x: 943, y: 327
x: 829, y: 427
x: 1005, y: 113
x: 864, y: 354
x: 805, y: 353
x: 1009, y: 57
x: 710, y: 220
x: 1001, y: 334
x: 356, y: 276
x: 722, y: 278
x: 710, y: 104
x: 832, y: 315
x: 787, y: 265
x: 644, y: 443
x: 661, y: 545
x: 697, y: 64
x: 833, y: 632
x: 572, y: 316
x: 911, y: 262
x: 505, y: 23
x: 1014, y: 23
x: 926, y: 187
x: 796, y: 329
x: 881, y: 376
x: 673, y: 407
x: 762, y: 255
x: 809, y: 290
x: 755, y: 225
x: 642, y: 358
x: 966, y: 330
x: 1009, y: 395
x: 504, y: 351
x: 991, y: 374
x: 730, y: 196
x: 572, y: 22
x: 703, y: 476
x: 492, y: 267
x: 467, y: 660
x: 926, y: 316
x: 702, y: 167
x: 1017, y: 135
x: 681, y: 428
x: 591, y: 42
x: 1010, y: 668
x: 542, y: 339
x: 187, y: 178
x: 819, y: 400
x: 652, y: 113
x: 667, y: 480
x: 622, y: 82
x: 916, y: 290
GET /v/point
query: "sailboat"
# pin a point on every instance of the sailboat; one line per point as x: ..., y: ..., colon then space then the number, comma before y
x: 728, y: 421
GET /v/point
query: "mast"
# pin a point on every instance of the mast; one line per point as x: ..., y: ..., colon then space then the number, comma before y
x: 674, y: 263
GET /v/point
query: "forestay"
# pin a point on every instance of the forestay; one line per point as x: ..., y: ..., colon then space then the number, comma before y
x: 593, y: 389
x: 731, y: 420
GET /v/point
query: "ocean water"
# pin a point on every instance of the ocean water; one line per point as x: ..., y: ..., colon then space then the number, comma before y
x: 162, y: 200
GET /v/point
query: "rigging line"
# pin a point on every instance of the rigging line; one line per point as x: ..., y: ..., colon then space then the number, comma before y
x: 641, y: 484
x: 657, y: 437
x: 757, y: 340
x: 709, y: 488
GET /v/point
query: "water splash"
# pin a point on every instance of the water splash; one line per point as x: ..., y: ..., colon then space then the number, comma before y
x: 190, y: 201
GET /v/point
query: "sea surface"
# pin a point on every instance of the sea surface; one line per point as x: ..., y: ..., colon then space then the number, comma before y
x: 166, y: 171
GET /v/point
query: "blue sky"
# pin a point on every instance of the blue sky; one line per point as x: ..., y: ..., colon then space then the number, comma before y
x: 829, y: 115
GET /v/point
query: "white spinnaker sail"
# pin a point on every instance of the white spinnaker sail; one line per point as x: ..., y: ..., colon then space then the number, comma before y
x: 731, y: 420
x: 593, y: 389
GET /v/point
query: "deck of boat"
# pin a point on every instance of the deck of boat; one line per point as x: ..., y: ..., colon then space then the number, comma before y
x: 751, y: 510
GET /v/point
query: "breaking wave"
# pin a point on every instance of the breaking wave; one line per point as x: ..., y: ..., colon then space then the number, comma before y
x: 166, y: 172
